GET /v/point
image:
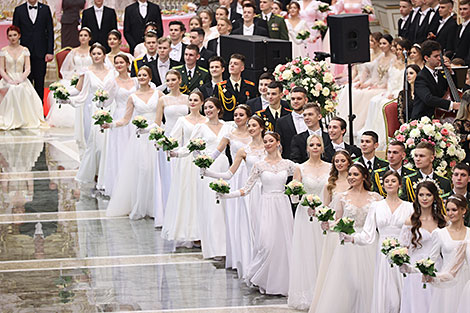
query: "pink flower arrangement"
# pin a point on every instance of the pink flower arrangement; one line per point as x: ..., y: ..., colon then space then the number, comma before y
x: 400, y: 138
x: 305, y: 62
x: 297, y: 70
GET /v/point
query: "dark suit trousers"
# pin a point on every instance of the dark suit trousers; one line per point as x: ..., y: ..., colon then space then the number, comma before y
x: 69, y: 35
x: 38, y: 72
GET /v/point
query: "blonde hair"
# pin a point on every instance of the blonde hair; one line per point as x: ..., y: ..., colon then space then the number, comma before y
x: 311, y: 137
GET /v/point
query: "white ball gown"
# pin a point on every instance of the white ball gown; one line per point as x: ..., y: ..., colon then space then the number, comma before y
x: 416, y: 299
x: 237, y: 222
x: 444, y: 299
x: 300, y: 47
x: 174, y: 108
x: 388, y: 281
x: 269, y: 269
x: 211, y: 216
x: 135, y: 186
x: 89, y: 133
x: 349, y: 281
x: 117, y: 138
x: 181, y: 218
x: 20, y: 105
x: 74, y: 64
x: 307, y: 244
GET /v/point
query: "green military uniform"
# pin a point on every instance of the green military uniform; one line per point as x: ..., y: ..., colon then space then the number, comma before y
x: 411, y: 181
x: 277, y: 27
x: 377, y: 178
x: 199, y: 77
x: 378, y: 163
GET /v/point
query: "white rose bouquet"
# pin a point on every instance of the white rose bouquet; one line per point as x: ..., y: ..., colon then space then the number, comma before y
x: 61, y: 94
x: 389, y: 244
x: 100, y: 96
x: 196, y: 144
x: 102, y: 117
x: 426, y: 267
x: 74, y: 80
x: 156, y: 133
x: 399, y: 256
x: 313, y: 202
x: 140, y: 122
x: 345, y: 225
x: 320, y: 26
x: 203, y: 161
x: 303, y: 35
x: 295, y: 188
x: 220, y: 186
x: 168, y: 144
x: 325, y: 214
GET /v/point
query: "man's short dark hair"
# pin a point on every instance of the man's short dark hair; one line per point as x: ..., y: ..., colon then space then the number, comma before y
x: 462, y: 166
x: 342, y: 123
x: 275, y: 84
x: 269, y: 76
x: 299, y: 89
x: 249, y: 5
x: 429, y: 46
x: 180, y: 24
x: 216, y: 58
x: 426, y: 145
x: 312, y: 105
x: 199, y: 31
x: 193, y: 47
x: 397, y: 143
x: 238, y: 56
x: 372, y: 134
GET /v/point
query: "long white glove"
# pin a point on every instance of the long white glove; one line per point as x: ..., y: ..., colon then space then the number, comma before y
x: 207, y: 172
x: 215, y: 154
x: 229, y: 195
x: 145, y: 130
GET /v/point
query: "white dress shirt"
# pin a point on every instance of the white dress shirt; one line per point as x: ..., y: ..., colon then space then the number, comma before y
x: 338, y: 147
x: 366, y: 162
x: 317, y: 132
x: 403, y: 20
x: 423, y: 15
x: 266, y: 16
x: 442, y: 23
x: 190, y: 71
x: 33, y: 13
x: 299, y: 122
x: 248, y: 31
x: 151, y: 58
x: 464, y: 25
x: 175, y: 53
x: 415, y: 14
x: 143, y: 8
x: 426, y: 177
x: 99, y: 15
x: 435, y: 10
x: 163, y: 68
x: 239, y: 8
x: 264, y: 103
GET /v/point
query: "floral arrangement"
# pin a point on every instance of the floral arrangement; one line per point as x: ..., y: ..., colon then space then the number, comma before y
x: 426, y: 267
x: 315, y: 77
x: 156, y: 133
x: 140, y: 122
x: 311, y: 201
x: 100, y: 96
x: 196, y: 144
x: 325, y: 214
x: 345, y: 225
x: 399, y: 256
x: 220, y: 186
x: 303, y: 35
x: 55, y: 85
x: 168, y: 144
x: 320, y: 26
x: 203, y: 161
x: 323, y: 7
x: 368, y: 10
x: 389, y: 244
x: 295, y: 188
x: 102, y: 117
x: 61, y: 94
x: 74, y: 80
x: 441, y: 136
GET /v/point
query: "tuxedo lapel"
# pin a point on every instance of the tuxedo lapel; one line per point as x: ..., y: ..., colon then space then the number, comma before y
x: 26, y: 13
x: 291, y: 125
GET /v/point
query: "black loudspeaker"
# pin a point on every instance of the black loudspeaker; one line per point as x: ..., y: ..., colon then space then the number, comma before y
x: 349, y: 38
x: 252, y: 75
x: 261, y: 53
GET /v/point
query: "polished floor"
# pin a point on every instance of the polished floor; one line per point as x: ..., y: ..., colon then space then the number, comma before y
x: 60, y: 253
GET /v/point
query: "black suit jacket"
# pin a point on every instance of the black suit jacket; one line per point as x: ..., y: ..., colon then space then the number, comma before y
x: 378, y: 163
x: 205, y: 55
x: 353, y: 151
x: 286, y: 129
x: 433, y: 24
x: 207, y: 90
x: 428, y: 94
x: 212, y: 45
x: 421, y: 31
x: 446, y: 35
x: 225, y: 92
x: 37, y: 37
x: 108, y: 23
x: 258, y: 30
x: 139, y: 62
x: 405, y: 30
x: 299, y: 147
x: 256, y: 104
x: 462, y: 44
x: 134, y: 23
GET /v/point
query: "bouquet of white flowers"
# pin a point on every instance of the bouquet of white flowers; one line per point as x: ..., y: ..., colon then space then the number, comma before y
x: 345, y: 225
x: 325, y: 214
x: 313, y: 202
x: 156, y: 133
x: 295, y: 188
x: 196, y: 144
x: 168, y: 144
x: 102, y: 117
x: 100, y: 96
x: 320, y: 26
x: 426, y: 267
x: 323, y: 7
x: 220, y: 186
x: 203, y: 161
x: 389, y: 244
x: 74, y: 80
x: 303, y: 34
x: 399, y: 256
x: 61, y: 94
x: 140, y: 122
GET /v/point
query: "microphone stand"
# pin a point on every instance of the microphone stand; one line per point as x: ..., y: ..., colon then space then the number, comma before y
x: 406, y: 86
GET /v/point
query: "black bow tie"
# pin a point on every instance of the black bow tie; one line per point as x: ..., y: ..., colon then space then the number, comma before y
x: 33, y: 7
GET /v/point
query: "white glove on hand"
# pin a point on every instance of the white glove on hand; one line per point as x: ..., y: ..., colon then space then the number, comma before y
x: 346, y: 238
x: 215, y: 154
x: 405, y: 269
x: 234, y: 194
x: 325, y: 226
x: 225, y: 175
x: 294, y: 199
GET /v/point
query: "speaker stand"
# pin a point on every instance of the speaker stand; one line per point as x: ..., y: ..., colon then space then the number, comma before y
x: 351, y: 116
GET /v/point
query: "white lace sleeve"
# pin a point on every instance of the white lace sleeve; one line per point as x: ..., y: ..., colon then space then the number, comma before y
x: 291, y: 168
x: 446, y: 277
x: 405, y: 236
x: 26, y: 52
x: 68, y: 66
x: 2, y: 52
x: 369, y: 232
x: 252, y: 179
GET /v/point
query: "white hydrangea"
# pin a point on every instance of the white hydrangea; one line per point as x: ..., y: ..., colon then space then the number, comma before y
x: 287, y: 75
x: 415, y: 133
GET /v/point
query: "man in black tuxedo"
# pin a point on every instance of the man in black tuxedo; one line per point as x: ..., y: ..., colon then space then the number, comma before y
x: 176, y: 31
x: 164, y: 63
x: 434, y: 17
x: 149, y: 59
x: 233, y: 16
x: 447, y: 30
x: 404, y: 22
x: 430, y: 84
x: 248, y: 27
x: 37, y: 34
x: 261, y: 102
x: 100, y: 20
x: 292, y: 124
x: 420, y: 23
x: 216, y: 69
x: 460, y: 181
x: 276, y: 109
x: 336, y: 131
x: 196, y: 37
x: 136, y: 15
x: 224, y: 27
x: 462, y: 38
x: 369, y: 144
x: 235, y: 90
x: 312, y: 117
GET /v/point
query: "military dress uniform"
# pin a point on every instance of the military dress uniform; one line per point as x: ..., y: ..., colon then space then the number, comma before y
x: 199, y: 77
x: 411, y: 181
x: 269, y: 119
x: 378, y: 163
x: 377, y: 178
x: 230, y: 98
x: 277, y: 27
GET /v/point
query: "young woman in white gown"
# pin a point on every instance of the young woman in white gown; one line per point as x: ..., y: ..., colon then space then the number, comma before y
x: 385, y: 220
x: 20, y: 105
x: 446, y: 242
x: 173, y: 106
x: 76, y: 63
x: 349, y: 281
x: 181, y: 218
x: 307, y: 240
x: 117, y: 138
x: 296, y: 24
x: 416, y: 235
x: 269, y: 269
x: 235, y: 213
x: 96, y: 77
x: 242, y: 226
x: 211, y: 216
x: 135, y: 187
x: 114, y: 42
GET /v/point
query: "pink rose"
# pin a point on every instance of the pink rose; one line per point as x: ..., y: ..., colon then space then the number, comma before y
x: 414, y: 123
x: 400, y: 138
x: 402, y: 128
x: 305, y: 62
x: 334, y: 94
x: 286, y: 92
x: 435, y: 121
x: 297, y: 70
x: 410, y: 142
x: 294, y: 62
x: 448, y: 144
x: 453, y: 163
x: 318, y: 86
x: 280, y: 78
x: 282, y: 68
x: 292, y: 85
x: 444, y: 132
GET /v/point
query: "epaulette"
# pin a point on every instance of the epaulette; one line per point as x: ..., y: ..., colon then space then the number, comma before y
x: 288, y: 110
x: 221, y: 83
x: 441, y: 176
x: 249, y: 82
x: 202, y: 69
x: 260, y: 111
x: 257, y: 15
x: 381, y: 169
x: 138, y: 59
x: 178, y: 66
x: 278, y: 15
x: 412, y: 174
x: 136, y: 68
x: 356, y: 159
